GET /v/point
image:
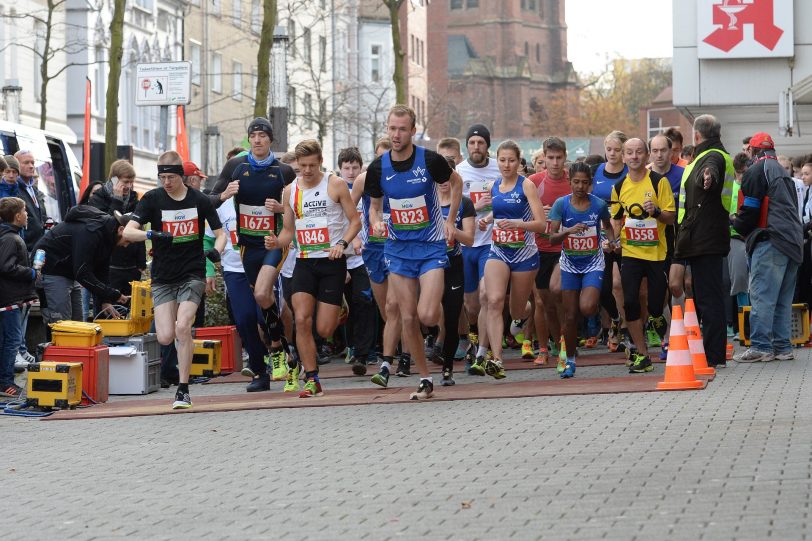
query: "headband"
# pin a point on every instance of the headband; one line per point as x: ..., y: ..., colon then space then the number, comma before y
x: 170, y: 169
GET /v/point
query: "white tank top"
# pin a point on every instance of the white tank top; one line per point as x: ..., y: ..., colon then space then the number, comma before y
x: 320, y: 221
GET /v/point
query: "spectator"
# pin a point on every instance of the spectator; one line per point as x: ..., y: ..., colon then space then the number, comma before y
x: 34, y: 199
x: 703, y: 237
x: 687, y: 153
x: 127, y: 263
x: 16, y: 288
x: 737, y: 258
x: 676, y: 146
x: 91, y: 189
x: 8, y: 184
x: 769, y: 220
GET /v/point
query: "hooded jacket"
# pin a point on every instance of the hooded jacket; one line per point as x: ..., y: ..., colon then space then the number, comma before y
x: 16, y: 275
x: 79, y: 248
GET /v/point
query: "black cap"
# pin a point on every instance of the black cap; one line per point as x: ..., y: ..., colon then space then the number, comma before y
x: 480, y: 130
x: 261, y: 124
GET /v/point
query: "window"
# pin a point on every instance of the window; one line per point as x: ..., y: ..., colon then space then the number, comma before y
x: 472, y: 4
x: 144, y: 4
x: 292, y: 37
x: 526, y: 49
x: 215, y: 6
x: 196, y: 145
x: 100, y: 74
x: 524, y: 4
x: 292, y: 106
x: 236, y: 80
x: 217, y: 73
x: 236, y: 13
x: 531, y: 5
x: 308, y: 111
x: 538, y: 52
x: 256, y: 21
x: 306, y: 52
x: 411, y: 47
x: 456, y: 4
x: 323, y: 53
x: 194, y: 57
x: 375, y: 63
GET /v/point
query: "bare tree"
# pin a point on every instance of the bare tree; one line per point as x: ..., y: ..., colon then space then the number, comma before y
x: 116, y: 52
x: 264, y: 57
x: 398, y: 76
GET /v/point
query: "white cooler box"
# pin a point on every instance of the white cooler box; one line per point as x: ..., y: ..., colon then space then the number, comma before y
x: 132, y: 373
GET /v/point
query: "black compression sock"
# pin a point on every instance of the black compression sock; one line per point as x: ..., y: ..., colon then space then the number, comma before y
x: 183, y: 387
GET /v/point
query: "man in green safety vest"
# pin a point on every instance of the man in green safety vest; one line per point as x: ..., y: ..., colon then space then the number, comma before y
x: 703, y: 232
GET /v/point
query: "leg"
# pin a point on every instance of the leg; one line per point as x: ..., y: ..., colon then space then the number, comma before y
x: 405, y: 292
x: 632, y: 276
x: 497, y: 275
x: 782, y: 319
x: 711, y: 298
x: 571, y: 312
x: 432, y: 284
x: 183, y: 332
x: 766, y: 272
x: 304, y: 304
x: 452, y: 308
x: 363, y: 306
x: 10, y: 331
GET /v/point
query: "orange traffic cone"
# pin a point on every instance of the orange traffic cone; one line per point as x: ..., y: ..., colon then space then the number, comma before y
x: 729, y: 352
x: 695, y: 345
x: 679, y: 370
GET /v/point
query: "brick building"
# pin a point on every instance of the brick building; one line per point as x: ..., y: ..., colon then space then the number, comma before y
x: 495, y: 62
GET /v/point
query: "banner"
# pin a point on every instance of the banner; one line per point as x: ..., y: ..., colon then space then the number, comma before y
x: 182, y: 141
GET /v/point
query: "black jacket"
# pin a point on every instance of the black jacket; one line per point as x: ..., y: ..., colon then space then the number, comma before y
x: 79, y: 248
x: 705, y: 228
x: 133, y: 256
x: 16, y: 275
x: 36, y: 216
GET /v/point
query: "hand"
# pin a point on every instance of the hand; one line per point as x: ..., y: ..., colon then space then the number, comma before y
x: 378, y: 229
x: 123, y: 299
x: 357, y: 246
x: 577, y: 228
x: 211, y: 284
x: 118, y: 188
x: 271, y: 242
x: 336, y: 251
x: 231, y: 189
x: 112, y: 312
x: 707, y: 177
x: 649, y: 207
x: 485, y: 222
x: 272, y: 205
x: 483, y: 202
x: 450, y: 229
x: 161, y: 237
x: 547, y: 209
x: 505, y: 223
x: 213, y: 255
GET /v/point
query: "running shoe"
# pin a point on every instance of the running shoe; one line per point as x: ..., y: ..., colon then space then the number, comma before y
x: 350, y: 354
x: 569, y: 370
x: 359, y: 366
x: 259, y: 383
x: 462, y: 348
x: 754, y: 356
x: 542, y: 357
x: 527, y: 350
x: 730, y: 331
x: 640, y: 364
x: 554, y: 351
x: 630, y: 352
x: 382, y: 377
x: 247, y: 372
x: 448, y: 378
x: 182, y: 401
x: 786, y: 356
x: 489, y: 355
x: 478, y: 367
x: 561, y: 365
x: 581, y: 342
x: 473, y: 339
x: 404, y: 367
x: 652, y: 338
x: 591, y: 342
x: 424, y: 390
x: 664, y: 352
x: 279, y: 365
x: 470, y: 355
x: 495, y: 369
x: 613, y: 337
x: 436, y: 355
x: 12, y: 391
x: 292, y: 382
x: 509, y: 342
x: 516, y: 326
x: 311, y: 388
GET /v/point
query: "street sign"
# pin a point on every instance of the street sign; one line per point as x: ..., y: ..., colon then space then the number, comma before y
x: 163, y: 83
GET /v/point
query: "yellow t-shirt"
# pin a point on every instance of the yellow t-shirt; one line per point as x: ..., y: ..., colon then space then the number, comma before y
x: 641, y: 236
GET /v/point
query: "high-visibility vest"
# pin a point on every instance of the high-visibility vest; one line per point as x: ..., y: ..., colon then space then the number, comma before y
x: 727, y: 187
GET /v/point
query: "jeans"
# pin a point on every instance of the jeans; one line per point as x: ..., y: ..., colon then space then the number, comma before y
x: 772, y: 284
x: 10, y: 332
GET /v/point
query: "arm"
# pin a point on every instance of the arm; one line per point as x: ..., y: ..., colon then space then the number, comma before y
x: 663, y: 210
x: 456, y: 196
x: 272, y: 242
x: 754, y: 189
x: 376, y: 216
x: 88, y: 272
x: 208, y: 244
x: 339, y: 188
x: 539, y: 222
x: 10, y: 267
x: 133, y: 232
x: 466, y: 234
x: 358, y: 188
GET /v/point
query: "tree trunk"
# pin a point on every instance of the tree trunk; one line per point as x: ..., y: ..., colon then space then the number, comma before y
x: 113, y: 77
x: 398, y: 77
x: 43, y: 67
x: 264, y: 57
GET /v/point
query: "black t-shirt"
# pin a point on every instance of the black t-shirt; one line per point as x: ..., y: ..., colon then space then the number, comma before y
x: 438, y: 167
x: 186, y: 221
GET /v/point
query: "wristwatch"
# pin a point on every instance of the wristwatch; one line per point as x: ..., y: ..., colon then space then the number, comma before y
x: 342, y: 242
x: 657, y: 212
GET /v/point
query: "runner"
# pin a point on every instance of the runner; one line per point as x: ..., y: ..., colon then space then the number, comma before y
x: 416, y: 247
x: 177, y: 216
x: 643, y: 205
x: 517, y: 215
x: 320, y: 217
x: 606, y: 175
x: 581, y: 215
x: 256, y: 180
x: 551, y: 184
x: 478, y: 175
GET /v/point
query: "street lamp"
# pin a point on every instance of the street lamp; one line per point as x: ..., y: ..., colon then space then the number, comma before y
x: 279, y: 89
x: 12, y: 92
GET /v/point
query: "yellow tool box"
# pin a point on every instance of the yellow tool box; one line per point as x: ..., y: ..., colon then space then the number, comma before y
x: 55, y: 385
x: 206, y: 358
x: 119, y: 327
x: 141, y: 301
x: 76, y: 334
x: 799, y: 324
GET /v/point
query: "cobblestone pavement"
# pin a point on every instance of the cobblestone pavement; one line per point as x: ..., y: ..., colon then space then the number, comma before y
x: 729, y: 462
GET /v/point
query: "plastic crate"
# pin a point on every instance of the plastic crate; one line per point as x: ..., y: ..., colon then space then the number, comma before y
x: 799, y: 324
x: 132, y: 373
x: 147, y: 343
x: 118, y: 327
x: 95, y: 367
x: 206, y: 358
x: 231, y: 351
x: 75, y: 334
x: 55, y: 385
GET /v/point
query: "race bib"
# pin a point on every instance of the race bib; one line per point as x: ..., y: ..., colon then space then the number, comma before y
x: 375, y: 238
x: 584, y: 243
x: 479, y: 190
x: 232, y: 234
x: 182, y: 224
x: 409, y: 214
x: 256, y: 221
x: 642, y: 232
x: 507, y: 238
x: 312, y: 234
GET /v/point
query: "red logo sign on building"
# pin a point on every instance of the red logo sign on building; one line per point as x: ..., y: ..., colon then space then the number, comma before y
x: 722, y: 23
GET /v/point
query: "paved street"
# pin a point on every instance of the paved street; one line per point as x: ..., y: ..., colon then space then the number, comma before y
x: 730, y: 462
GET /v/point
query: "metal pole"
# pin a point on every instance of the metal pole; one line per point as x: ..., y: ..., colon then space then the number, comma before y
x: 164, y: 140
x: 279, y: 89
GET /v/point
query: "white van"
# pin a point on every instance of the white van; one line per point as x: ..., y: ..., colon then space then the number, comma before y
x: 59, y: 171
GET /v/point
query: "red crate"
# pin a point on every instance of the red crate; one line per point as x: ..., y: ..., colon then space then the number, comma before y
x: 95, y: 367
x: 231, y: 356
